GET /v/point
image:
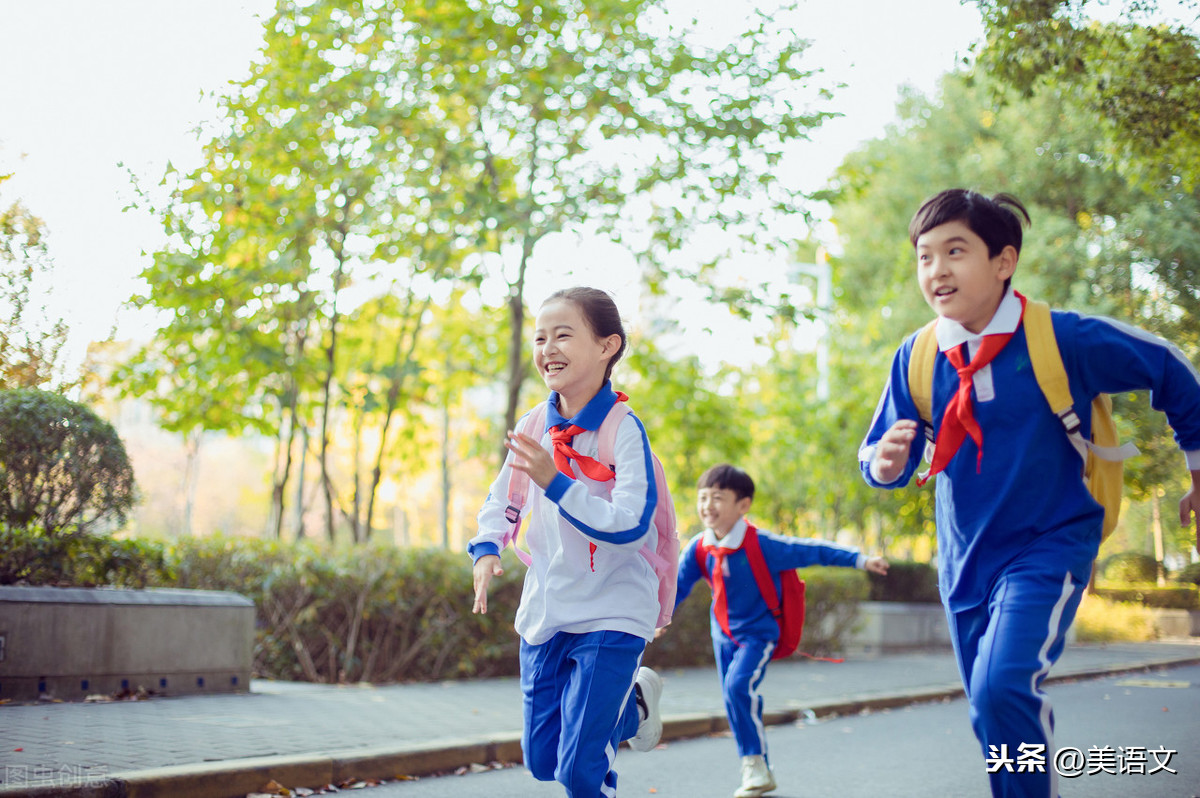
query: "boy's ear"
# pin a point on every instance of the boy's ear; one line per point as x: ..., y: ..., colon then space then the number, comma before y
x: 1007, y: 265
x: 743, y: 505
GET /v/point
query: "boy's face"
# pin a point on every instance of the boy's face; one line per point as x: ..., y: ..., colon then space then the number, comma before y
x: 958, y: 279
x: 720, y: 509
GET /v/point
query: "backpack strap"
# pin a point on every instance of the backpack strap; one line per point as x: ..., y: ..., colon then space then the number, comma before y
x: 607, y: 433
x: 920, y: 373
x: 1051, y: 377
x: 762, y: 574
x: 518, y: 482
x: 920, y: 386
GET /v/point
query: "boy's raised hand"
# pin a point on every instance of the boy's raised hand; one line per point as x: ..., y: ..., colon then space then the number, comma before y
x: 876, y: 565
x: 486, y: 567
x: 891, y: 453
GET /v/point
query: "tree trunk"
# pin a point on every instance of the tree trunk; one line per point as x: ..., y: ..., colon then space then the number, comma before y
x: 191, y: 468
x: 327, y: 386
x: 1156, y: 528
x: 516, y: 341
x: 445, y: 508
x: 395, y: 391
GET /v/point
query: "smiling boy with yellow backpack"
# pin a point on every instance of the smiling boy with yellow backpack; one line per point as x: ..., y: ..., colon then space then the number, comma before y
x: 1018, y: 527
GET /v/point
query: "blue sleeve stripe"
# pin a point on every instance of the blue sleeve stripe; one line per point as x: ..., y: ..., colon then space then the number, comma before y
x: 643, y: 524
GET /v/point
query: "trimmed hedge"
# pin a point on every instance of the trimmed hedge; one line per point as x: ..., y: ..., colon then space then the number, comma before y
x: 1182, y: 597
x: 1190, y: 574
x: 29, y: 557
x: 1129, y: 567
x: 906, y: 581
x: 378, y: 613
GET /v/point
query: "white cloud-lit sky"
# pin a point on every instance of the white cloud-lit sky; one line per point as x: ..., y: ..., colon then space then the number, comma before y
x: 90, y: 92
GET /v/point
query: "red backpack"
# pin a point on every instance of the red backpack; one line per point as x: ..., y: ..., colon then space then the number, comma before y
x: 663, y: 558
x: 788, y: 613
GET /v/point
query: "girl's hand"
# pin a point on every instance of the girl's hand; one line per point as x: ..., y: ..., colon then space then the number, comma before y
x: 891, y: 453
x: 876, y: 565
x: 532, y: 459
x: 486, y: 567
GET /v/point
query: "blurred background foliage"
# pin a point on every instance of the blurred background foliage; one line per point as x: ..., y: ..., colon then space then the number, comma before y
x: 343, y: 292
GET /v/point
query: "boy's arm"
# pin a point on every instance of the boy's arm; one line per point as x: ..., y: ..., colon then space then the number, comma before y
x: 1189, y: 506
x: 786, y: 553
x: 891, y: 451
x: 689, y: 572
x: 1114, y: 357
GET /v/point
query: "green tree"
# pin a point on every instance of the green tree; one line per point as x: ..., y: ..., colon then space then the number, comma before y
x: 609, y: 118
x: 1137, y: 78
x: 324, y: 173
x: 30, y: 345
x: 63, y: 469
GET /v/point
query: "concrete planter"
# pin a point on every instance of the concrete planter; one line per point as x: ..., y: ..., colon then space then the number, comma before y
x: 1177, y: 623
x: 69, y: 643
x: 891, y: 626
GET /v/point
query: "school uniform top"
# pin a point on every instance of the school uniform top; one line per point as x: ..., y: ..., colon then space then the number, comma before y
x: 1027, y: 505
x: 569, y: 587
x: 749, y: 616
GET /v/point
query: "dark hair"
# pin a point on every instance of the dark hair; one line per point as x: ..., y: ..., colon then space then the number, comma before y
x: 997, y: 220
x: 600, y: 313
x: 727, y: 477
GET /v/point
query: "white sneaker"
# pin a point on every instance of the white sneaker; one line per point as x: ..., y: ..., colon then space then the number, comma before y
x: 648, y: 687
x: 757, y: 778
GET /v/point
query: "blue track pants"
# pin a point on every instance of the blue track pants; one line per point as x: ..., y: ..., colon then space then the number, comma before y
x: 1005, y: 649
x: 579, y: 706
x: 742, y: 667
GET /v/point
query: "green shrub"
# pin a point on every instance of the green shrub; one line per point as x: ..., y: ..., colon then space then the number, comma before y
x: 906, y: 581
x: 832, y: 599
x: 1129, y: 567
x: 382, y: 614
x: 30, y: 557
x: 63, y: 469
x: 688, y: 640
x: 1189, y: 574
x: 1181, y: 597
x: 1101, y: 620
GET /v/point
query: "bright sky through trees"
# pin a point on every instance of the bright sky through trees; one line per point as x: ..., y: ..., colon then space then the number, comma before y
x: 94, y: 91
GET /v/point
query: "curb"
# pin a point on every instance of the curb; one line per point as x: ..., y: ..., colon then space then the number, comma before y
x: 236, y: 778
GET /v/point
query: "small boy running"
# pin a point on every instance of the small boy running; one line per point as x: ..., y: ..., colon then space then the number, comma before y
x: 744, y: 632
x: 1017, y: 528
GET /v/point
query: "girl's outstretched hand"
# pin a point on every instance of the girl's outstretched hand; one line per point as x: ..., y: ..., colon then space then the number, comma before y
x: 531, y: 458
x: 486, y: 567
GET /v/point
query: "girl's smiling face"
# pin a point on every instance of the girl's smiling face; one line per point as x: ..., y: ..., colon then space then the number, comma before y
x: 958, y: 278
x: 569, y: 356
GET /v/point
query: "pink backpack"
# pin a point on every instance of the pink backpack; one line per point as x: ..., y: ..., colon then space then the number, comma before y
x: 664, y: 557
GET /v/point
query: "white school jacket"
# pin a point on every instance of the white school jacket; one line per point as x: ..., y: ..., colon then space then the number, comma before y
x: 584, y: 536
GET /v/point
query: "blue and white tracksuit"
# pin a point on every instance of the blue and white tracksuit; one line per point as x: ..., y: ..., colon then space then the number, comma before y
x: 585, y: 615
x: 742, y: 661
x: 1017, y: 538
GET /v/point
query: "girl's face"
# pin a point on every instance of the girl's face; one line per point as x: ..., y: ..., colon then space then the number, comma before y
x: 958, y: 278
x: 568, y: 355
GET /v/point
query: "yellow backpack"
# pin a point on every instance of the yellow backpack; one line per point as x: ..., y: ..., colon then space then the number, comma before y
x: 1103, y: 455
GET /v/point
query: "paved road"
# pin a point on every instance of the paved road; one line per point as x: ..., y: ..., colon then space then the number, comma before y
x: 923, y: 751
x: 225, y: 746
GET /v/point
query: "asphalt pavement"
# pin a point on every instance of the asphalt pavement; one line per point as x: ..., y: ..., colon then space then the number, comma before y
x: 1122, y: 736
x: 305, y: 735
